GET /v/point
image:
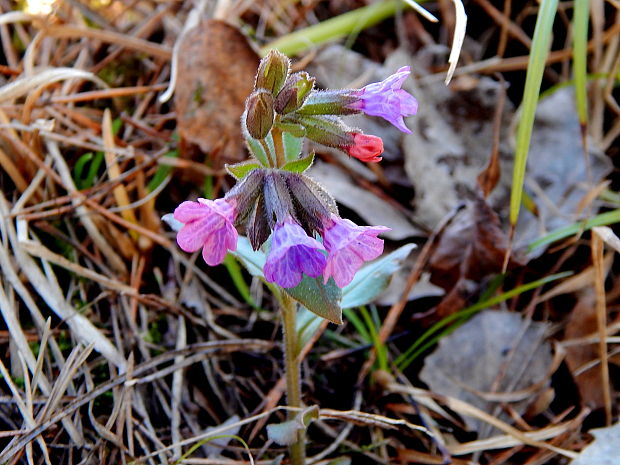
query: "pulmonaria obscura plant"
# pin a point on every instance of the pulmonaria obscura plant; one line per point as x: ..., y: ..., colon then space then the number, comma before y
x: 273, y: 198
x: 310, y: 250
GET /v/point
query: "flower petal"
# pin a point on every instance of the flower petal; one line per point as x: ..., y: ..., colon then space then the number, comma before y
x: 349, y: 246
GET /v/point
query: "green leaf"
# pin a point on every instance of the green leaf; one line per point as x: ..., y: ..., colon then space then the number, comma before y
x: 319, y: 298
x: 292, y: 146
x: 285, y: 433
x: 300, y: 165
x: 307, y: 324
x: 372, y: 279
x: 241, y: 170
x: 253, y: 260
x: 258, y: 151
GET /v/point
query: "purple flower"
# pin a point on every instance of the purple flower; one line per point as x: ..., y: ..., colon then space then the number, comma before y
x: 387, y: 100
x: 207, y: 224
x: 292, y: 254
x: 349, y: 246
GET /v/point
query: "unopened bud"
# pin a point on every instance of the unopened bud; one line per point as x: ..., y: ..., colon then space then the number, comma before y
x: 294, y: 93
x: 259, y: 113
x: 329, y: 102
x: 272, y: 72
x: 326, y: 130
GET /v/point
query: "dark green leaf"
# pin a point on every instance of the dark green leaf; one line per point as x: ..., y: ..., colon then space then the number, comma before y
x: 319, y: 298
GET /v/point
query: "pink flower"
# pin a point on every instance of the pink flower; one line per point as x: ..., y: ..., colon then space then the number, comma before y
x: 207, y: 224
x: 349, y: 246
x: 365, y: 148
x: 292, y: 254
x: 387, y: 100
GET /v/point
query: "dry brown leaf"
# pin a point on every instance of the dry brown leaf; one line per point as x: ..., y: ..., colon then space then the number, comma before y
x: 495, y: 351
x: 582, y: 322
x: 471, y: 247
x: 216, y: 71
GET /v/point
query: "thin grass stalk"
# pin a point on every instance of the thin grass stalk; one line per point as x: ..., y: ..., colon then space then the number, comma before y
x: 536, y: 66
x: 602, y: 219
x: 334, y: 28
x: 433, y: 334
x: 580, y: 54
x: 601, y: 319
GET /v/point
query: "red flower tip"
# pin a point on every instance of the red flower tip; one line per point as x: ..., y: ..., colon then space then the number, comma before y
x: 365, y: 148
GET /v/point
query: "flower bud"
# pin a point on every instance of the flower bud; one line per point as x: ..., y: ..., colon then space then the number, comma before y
x: 326, y: 130
x: 272, y: 72
x: 259, y: 113
x: 294, y: 93
x: 365, y: 148
x: 329, y: 102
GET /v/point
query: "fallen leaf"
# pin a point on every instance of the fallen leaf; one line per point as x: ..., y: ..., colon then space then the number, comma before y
x: 472, y: 246
x: 581, y: 323
x: 216, y: 70
x: 604, y: 449
x: 451, y: 141
x: 494, y: 352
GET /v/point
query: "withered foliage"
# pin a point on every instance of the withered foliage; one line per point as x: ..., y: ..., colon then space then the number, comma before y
x: 120, y: 348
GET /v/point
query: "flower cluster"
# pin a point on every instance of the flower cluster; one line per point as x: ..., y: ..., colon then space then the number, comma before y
x: 273, y: 203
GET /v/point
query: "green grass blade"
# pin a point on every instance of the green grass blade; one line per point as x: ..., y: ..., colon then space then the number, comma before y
x: 580, y: 55
x: 162, y: 172
x: 536, y: 66
x: 380, y: 349
x: 234, y: 270
x: 604, y: 219
x: 357, y: 323
x: 334, y: 28
x: 433, y: 334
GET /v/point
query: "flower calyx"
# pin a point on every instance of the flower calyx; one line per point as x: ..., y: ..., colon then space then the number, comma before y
x: 272, y: 72
x: 259, y: 113
x: 294, y: 93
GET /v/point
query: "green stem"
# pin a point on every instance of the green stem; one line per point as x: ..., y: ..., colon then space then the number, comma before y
x: 335, y: 28
x: 263, y: 143
x: 278, y: 146
x: 292, y: 368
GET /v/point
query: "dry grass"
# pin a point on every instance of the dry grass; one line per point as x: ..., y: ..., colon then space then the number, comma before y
x: 119, y: 348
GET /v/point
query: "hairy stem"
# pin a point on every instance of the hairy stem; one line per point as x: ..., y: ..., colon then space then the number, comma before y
x: 278, y: 145
x: 292, y: 368
x: 267, y: 151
